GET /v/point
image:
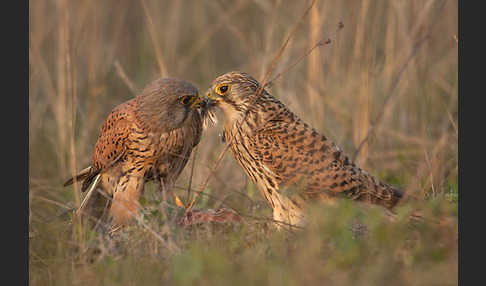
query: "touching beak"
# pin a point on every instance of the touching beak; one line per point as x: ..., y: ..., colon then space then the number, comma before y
x: 212, y: 98
x: 198, y: 102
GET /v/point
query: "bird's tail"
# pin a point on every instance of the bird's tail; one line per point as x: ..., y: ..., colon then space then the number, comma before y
x: 386, y: 195
x: 88, y: 195
x: 396, y: 196
x: 375, y: 192
x: 86, y: 175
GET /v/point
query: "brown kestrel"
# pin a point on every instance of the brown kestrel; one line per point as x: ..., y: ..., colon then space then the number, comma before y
x: 279, y: 151
x: 158, y: 128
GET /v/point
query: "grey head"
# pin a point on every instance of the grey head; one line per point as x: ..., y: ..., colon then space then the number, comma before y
x: 165, y: 104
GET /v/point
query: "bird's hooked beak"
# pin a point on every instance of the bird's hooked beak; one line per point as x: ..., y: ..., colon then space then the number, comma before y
x: 212, y: 97
x: 199, y: 102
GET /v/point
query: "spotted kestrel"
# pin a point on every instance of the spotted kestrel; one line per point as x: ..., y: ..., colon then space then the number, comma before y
x: 279, y: 151
x: 148, y: 137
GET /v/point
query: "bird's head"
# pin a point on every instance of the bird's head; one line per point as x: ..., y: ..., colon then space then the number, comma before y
x: 166, y: 103
x: 233, y: 92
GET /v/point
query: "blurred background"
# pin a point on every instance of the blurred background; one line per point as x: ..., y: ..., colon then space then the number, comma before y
x: 392, y: 69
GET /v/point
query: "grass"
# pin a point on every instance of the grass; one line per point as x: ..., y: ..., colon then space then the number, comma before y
x: 391, y: 69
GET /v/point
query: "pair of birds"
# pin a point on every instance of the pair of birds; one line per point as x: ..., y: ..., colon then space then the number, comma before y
x: 152, y: 137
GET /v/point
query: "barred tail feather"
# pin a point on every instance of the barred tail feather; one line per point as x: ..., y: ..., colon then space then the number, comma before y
x: 79, y: 177
x: 396, y: 196
x: 88, y: 195
x: 86, y: 175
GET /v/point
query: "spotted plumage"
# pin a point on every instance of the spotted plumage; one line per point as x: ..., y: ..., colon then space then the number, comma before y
x: 156, y: 130
x: 283, y: 154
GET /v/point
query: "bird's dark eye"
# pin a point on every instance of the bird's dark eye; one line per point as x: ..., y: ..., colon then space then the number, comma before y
x: 186, y: 100
x: 222, y: 89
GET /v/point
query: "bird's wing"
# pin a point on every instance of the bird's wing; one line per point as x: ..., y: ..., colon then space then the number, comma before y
x: 302, y: 156
x: 112, y: 141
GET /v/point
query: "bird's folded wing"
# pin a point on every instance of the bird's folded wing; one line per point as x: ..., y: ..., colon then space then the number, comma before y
x: 302, y: 156
x: 112, y: 142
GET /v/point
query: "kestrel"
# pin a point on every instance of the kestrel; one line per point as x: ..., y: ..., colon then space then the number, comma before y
x: 279, y: 152
x: 158, y: 128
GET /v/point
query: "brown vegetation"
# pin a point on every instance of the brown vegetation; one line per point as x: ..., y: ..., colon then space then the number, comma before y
x: 386, y: 85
